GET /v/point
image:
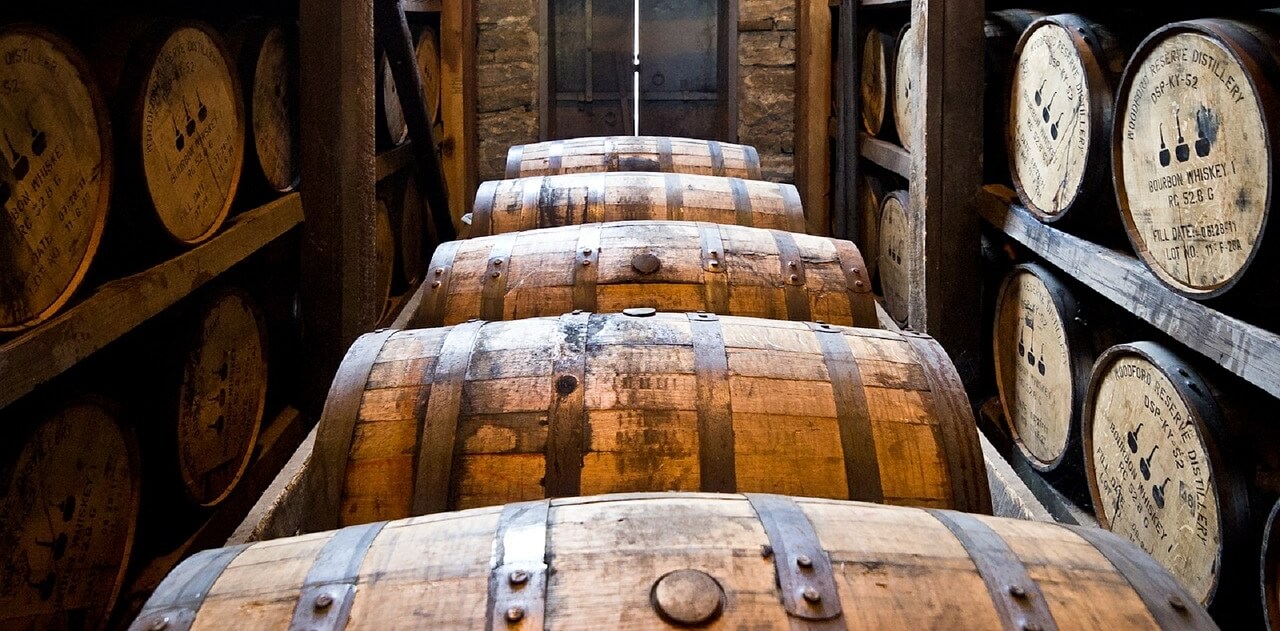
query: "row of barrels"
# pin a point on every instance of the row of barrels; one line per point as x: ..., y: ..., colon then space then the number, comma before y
x: 527, y: 383
x: 1169, y: 448
x: 1179, y: 129
x: 102, y: 476
x: 156, y: 122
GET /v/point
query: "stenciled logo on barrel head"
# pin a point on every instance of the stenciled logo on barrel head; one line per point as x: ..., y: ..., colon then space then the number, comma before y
x: 895, y: 273
x: 193, y: 138
x: 1035, y: 379
x: 1195, y: 162
x: 1152, y: 474
x: 53, y: 195
x: 1049, y: 114
x: 66, y: 523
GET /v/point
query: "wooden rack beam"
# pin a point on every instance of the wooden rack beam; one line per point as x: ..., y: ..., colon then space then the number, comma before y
x: 1242, y: 348
x: 885, y: 154
x: 393, y: 161
x: 120, y: 306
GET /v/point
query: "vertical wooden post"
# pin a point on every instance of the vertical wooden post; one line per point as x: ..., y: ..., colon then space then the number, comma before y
x: 337, y: 110
x: 946, y: 177
x: 458, y: 104
x: 813, y: 112
x: 845, y: 193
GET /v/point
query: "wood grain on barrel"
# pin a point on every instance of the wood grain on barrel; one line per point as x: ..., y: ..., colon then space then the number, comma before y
x: 870, y: 199
x: 56, y: 182
x: 1035, y: 368
x: 1148, y: 455
x: 562, y: 200
x: 68, y: 520
x: 877, y: 87
x: 634, y: 153
x: 1193, y: 147
x: 428, y: 57
x: 189, y: 125
x: 670, y: 266
x: 392, y: 126
x: 896, y: 245
x: 385, y: 240
x: 406, y: 218
x: 608, y: 563
x: 222, y: 396
x: 906, y: 75
x: 272, y: 112
x: 1269, y: 567
x: 642, y: 414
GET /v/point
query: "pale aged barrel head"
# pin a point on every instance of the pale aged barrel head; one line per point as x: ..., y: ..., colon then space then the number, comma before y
x: 877, y: 80
x: 222, y: 397
x: 56, y: 183
x: 1193, y: 157
x: 1039, y: 388
x: 906, y: 74
x: 896, y: 246
x: 190, y: 132
x: 394, y: 125
x: 428, y: 57
x: 1270, y: 569
x: 274, y: 111
x: 1153, y: 463
x: 68, y: 520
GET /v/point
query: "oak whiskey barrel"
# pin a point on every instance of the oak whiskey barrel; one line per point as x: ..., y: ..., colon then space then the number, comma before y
x: 877, y: 88
x: 870, y: 199
x: 600, y: 403
x: 57, y: 183
x: 1002, y: 31
x: 393, y: 129
x: 222, y: 394
x: 384, y: 268
x: 1044, y: 352
x: 427, y: 54
x: 68, y: 519
x: 181, y: 128
x: 1194, y: 158
x: 562, y: 200
x: 1269, y: 577
x: 266, y: 55
x: 765, y: 562
x: 896, y: 246
x: 406, y: 218
x: 1060, y: 114
x: 1154, y: 433
x: 653, y: 154
x: 665, y: 265
x: 906, y: 72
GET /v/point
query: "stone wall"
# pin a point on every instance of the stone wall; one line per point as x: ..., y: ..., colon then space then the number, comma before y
x: 508, y: 75
x: 767, y: 83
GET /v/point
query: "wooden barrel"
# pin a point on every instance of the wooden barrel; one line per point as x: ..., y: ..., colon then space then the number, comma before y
x: 870, y: 199
x: 672, y: 561
x: 1060, y: 113
x: 877, y: 88
x: 1270, y: 569
x: 58, y: 175
x: 896, y: 244
x: 384, y: 267
x: 1002, y: 31
x: 221, y: 395
x: 183, y: 127
x: 564, y: 200
x: 906, y: 72
x: 603, y: 403
x: 653, y: 154
x: 1153, y: 441
x: 68, y: 519
x: 406, y: 220
x: 1195, y: 204
x: 665, y: 265
x: 393, y: 128
x: 427, y: 53
x: 1044, y: 356
x: 266, y: 56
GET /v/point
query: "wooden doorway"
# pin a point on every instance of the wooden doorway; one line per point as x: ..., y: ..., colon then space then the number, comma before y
x: 685, y: 75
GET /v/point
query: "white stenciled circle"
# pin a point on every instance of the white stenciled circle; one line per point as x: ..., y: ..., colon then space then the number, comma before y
x: 1049, y: 114
x: 1152, y: 476
x: 1194, y: 162
x: 1034, y: 368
